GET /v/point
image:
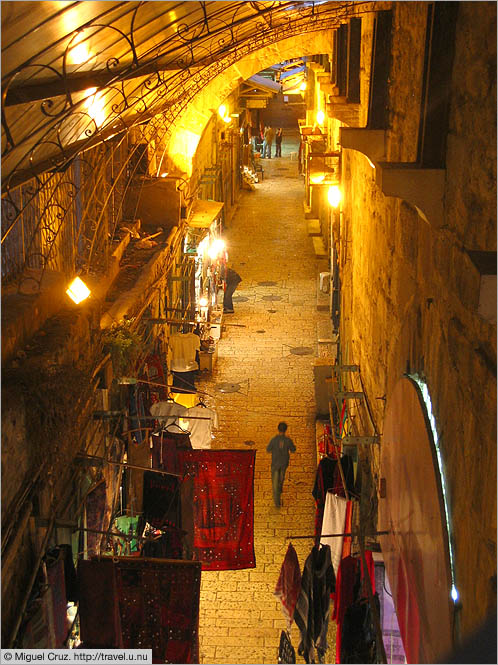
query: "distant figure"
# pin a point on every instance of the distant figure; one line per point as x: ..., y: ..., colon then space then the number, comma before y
x: 232, y: 280
x: 269, y: 134
x: 278, y: 142
x: 279, y: 448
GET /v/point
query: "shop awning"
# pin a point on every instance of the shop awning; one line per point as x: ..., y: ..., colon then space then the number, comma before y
x: 204, y: 213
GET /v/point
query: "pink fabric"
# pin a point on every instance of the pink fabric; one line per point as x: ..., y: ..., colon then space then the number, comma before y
x: 289, y: 583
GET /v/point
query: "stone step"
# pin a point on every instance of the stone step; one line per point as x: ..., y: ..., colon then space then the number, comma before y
x: 319, y: 247
x: 313, y: 226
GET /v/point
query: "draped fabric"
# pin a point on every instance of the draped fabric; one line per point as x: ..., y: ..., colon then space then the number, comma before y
x: 223, y: 506
x: 157, y: 603
x: 162, y: 500
x: 95, y: 510
x: 313, y: 604
x: 334, y: 521
x: 289, y: 583
x: 56, y: 581
x: 153, y: 372
x: 165, y: 447
x: 350, y: 588
x: 100, y: 624
x: 328, y: 478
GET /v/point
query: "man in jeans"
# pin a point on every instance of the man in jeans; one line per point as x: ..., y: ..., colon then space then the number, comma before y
x: 269, y: 134
x: 232, y: 280
x: 279, y: 448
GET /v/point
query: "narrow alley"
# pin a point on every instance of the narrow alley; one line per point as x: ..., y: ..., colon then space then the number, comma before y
x: 269, y: 247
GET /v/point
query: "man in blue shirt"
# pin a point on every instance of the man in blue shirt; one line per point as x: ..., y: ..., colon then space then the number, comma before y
x: 279, y: 448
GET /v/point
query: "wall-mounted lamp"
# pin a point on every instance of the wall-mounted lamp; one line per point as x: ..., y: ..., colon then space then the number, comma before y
x: 222, y: 110
x: 334, y: 196
x: 320, y: 117
x: 302, y: 87
x: 216, y: 248
x: 78, y: 290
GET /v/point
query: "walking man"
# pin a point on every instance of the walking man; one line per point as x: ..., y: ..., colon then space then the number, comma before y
x: 279, y: 448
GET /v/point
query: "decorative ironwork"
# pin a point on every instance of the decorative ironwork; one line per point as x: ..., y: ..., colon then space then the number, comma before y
x: 68, y: 159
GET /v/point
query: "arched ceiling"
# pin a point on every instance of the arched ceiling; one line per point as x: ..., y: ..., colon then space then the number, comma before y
x: 75, y: 73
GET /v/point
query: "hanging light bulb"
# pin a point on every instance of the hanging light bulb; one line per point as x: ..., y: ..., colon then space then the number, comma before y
x: 334, y: 196
x: 227, y: 119
x: 302, y: 87
x: 78, y: 290
x: 203, y: 302
x: 216, y: 248
x: 222, y: 111
x: 320, y: 117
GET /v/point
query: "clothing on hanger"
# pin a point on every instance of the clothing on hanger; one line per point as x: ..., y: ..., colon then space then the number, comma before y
x: 313, y: 604
x: 167, y: 412
x: 334, y: 521
x: 201, y: 430
x: 183, y: 348
x: 289, y: 584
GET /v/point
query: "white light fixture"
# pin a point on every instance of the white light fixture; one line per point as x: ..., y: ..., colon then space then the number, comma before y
x: 78, y: 290
x: 320, y: 117
x: 222, y: 111
x: 302, y: 87
x: 203, y: 302
x: 216, y: 248
x: 334, y: 196
x: 227, y: 119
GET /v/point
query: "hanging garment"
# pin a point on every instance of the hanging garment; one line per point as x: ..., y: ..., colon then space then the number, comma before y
x: 334, y: 521
x: 137, y: 425
x: 70, y: 579
x: 167, y: 413
x: 153, y: 371
x: 313, y: 604
x: 286, y: 652
x: 200, y: 430
x: 327, y: 478
x: 139, y: 454
x: 100, y: 625
x: 184, y: 382
x: 358, y: 636
x: 162, y: 500
x: 55, y: 579
x: 184, y: 347
x: 165, y: 447
x: 223, y: 506
x: 350, y: 588
x: 95, y: 509
x: 289, y: 584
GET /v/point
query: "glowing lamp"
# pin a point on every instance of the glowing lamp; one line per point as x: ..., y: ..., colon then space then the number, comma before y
x: 203, y: 302
x: 78, y: 291
x: 317, y: 178
x: 227, y: 119
x: 216, y: 248
x: 320, y: 117
x: 334, y: 196
x: 222, y: 110
x: 302, y: 87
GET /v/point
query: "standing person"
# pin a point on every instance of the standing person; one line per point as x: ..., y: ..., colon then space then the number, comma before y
x: 232, y: 280
x: 278, y: 142
x: 263, y: 138
x: 269, y: 134
x: 279, y: 448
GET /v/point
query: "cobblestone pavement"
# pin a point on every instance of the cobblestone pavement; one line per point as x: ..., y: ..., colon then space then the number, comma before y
x: 275, y: 305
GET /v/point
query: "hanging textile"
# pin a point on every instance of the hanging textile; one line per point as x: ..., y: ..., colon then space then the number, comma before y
x: 137, y: 425
x: 328, y: 477
x: 55, y: 578
x: 313, y: 604
x: 223, y: 506
x: 100, y: 624
x: 153, y: 371
x: 167, y: 412
x: 37, y: 630
x: 70, y: 579
x: 334, y: 521
x: 159, y: 605
x: 289, y: 584
x: 184, y: 347
x: 139, y: 454
x: 286, y: 652
x: 162, y: 500
x: 201, y: 430
x: 95, y: 510
x: 358, y: 636
x: 350, y: 588
x: 165, y: 448
x: 141, y: 603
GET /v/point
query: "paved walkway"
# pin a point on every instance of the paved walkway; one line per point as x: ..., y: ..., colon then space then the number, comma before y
x: 240, y: 619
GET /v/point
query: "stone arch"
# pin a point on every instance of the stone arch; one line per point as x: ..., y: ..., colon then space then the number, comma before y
x: 190, y: 125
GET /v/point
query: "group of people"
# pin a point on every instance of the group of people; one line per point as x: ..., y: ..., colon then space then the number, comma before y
x: 267, y: 135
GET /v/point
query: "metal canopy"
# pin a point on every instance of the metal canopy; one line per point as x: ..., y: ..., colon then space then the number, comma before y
x: 204, y: 213
x: 76, y: 73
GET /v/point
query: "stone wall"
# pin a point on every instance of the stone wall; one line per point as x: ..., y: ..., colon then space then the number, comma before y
x: 410, y: 292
